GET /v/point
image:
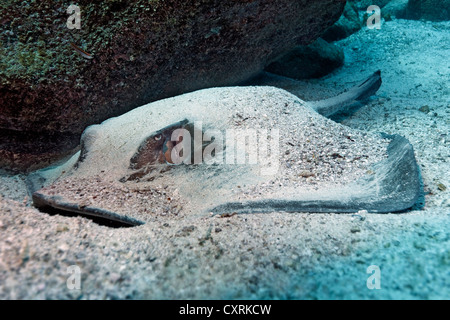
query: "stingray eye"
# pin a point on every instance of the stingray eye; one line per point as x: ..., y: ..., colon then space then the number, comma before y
x: 158, y: 137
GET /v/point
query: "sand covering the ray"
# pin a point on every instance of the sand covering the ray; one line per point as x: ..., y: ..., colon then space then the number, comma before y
x: 316, y: 155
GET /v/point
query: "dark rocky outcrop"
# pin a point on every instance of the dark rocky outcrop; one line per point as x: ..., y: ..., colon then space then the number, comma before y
x: 143, y: 51
x: 348, y: 24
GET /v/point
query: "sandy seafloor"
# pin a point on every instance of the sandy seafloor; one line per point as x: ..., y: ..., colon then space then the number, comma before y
x: 277, y: 255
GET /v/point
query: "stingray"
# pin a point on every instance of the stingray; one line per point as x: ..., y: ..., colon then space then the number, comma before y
x: 232, y: 150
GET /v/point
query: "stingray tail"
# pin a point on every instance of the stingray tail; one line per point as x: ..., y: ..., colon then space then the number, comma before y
x: 360, y: 92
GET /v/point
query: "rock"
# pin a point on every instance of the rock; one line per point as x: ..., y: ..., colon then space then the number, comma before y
x: 347, y: 24
x: 355, y: 230
x: 355, y: 16
x: 364, y: 4
x: 305, y: 62
x: 185, y: 231
x: 395, y: 8
x: 306, y: 174
x: 434, y: 10
x: 141, y: 52
x: 424, y: 109
x: 62, y: 228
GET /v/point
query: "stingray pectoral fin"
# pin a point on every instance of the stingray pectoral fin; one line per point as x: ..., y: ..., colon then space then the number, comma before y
x: 58, y: 205
x: 360, y: 92
x: 44, y: 177
x: 394, y: 186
